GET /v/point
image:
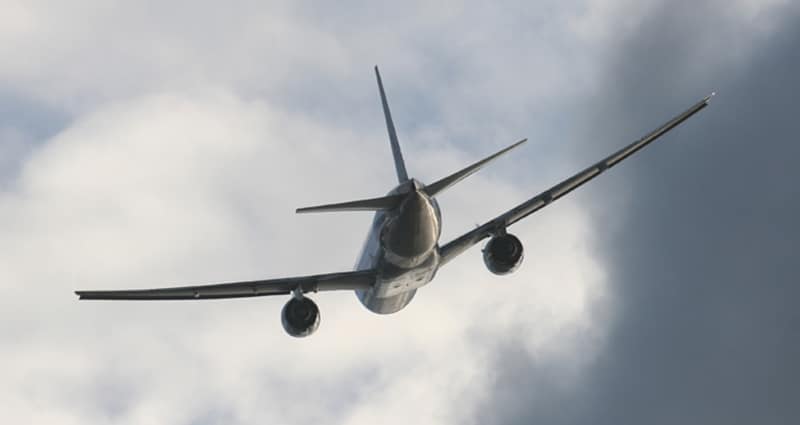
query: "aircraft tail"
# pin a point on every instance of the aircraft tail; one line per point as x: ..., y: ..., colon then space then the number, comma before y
x: 399, y: 164
x: 442, y: 184
x: 392, y: 201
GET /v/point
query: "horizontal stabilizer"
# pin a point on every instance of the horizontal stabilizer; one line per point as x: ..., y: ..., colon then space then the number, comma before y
x: 374, y: 204
x: 434, y: 188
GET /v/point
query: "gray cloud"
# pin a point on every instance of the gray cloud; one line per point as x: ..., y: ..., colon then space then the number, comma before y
x: 177, y: 188
x: 702, y: 257
x: 24, y: 123
x: 190, y: 137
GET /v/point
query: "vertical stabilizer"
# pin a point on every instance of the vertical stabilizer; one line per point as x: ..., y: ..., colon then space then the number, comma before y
x: 399, y: 165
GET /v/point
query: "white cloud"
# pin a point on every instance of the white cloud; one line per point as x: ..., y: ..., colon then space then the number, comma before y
x: 168, y: 189
x: 196, y: 130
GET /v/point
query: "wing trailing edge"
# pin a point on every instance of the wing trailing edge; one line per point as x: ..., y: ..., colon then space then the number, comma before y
x: 360, y: 279
x: 455, y: 247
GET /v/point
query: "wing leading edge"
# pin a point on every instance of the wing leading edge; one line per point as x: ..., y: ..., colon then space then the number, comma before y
x: 322, y: 282
x: 498, y: 225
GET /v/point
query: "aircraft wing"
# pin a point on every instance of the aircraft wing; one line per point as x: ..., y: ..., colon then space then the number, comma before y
x: 498, y: 225
x: 321, y: 282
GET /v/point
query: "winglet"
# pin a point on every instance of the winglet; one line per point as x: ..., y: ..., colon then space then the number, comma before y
x: 399, y: 164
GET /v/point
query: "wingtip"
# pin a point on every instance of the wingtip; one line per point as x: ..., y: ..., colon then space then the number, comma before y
x: 708, y: 98
x: 519, y: 142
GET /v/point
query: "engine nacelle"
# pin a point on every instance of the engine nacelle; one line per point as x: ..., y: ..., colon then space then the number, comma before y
x: 300, y: 317
x: 503, y: 254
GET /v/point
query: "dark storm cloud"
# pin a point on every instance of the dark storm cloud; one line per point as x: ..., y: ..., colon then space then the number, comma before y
x: 703, y: 259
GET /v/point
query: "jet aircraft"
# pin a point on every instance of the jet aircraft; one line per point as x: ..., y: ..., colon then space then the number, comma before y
x: 402, y: 252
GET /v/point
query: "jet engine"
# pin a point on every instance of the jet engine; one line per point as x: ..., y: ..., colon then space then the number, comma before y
x: 503, y: 254
x: 300, y: 316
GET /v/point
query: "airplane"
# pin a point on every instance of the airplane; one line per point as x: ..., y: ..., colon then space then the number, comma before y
x: 402, y: 252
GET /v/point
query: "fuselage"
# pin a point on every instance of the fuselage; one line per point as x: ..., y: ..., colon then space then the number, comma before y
x: 403, y: 247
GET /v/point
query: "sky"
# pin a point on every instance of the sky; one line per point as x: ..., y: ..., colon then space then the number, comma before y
x: 149, y: 144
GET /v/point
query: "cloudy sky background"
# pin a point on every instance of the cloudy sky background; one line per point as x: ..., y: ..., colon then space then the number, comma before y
x: 152, y: 143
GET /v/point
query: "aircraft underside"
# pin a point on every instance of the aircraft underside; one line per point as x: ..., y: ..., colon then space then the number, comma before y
x: 402, y: 251
x: 402, y: 248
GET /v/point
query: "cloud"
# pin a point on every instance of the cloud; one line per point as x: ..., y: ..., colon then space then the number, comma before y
x: 699, y: 274
x: 167, y: 144
x: 176, y: 188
